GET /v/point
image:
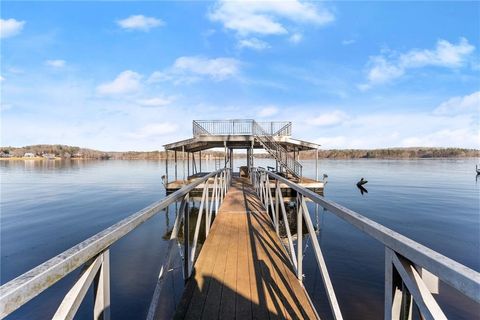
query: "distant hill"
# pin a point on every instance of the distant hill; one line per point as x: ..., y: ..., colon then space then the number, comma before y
x: 393, y: 153
x: 64, y: 151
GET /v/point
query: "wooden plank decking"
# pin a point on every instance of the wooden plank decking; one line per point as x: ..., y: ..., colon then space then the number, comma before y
x: 243, y: 271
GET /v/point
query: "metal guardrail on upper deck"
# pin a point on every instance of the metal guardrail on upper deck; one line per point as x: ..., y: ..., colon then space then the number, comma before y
x: 240, y: 127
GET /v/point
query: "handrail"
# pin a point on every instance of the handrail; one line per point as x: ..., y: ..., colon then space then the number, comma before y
x: 286, y: 130
x: 277, y: 151
x: 198, y: 129
x: 411, y: 260
x: 239, y: 127
x: 25, y: 287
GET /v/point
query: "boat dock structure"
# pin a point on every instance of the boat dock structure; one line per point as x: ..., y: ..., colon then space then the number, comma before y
x: 274, y: 138
x: 250, y: 263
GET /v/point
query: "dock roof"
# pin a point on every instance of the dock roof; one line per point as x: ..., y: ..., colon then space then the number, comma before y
x: 239, y: 134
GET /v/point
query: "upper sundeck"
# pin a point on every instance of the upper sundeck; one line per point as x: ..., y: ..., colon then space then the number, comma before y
x: 241, y: 127
x: 240, y: 133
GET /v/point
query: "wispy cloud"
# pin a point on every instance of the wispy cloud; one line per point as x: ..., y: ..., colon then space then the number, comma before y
x: 156, y: 102
x: 446, y: 137
x: 268, y: 111
x: 55, y: 63
x: 396, y: 129
x: 126, y: 82
x: 140, y: 22
x: 348, y: 42
x: 10, y: 27
x: 457, y: 105
x: 190, y: 69
x: 295, y: 38
x: 329, y: 118
x: 253, y: 43
x: 154, y: 130
x: 382, y: 69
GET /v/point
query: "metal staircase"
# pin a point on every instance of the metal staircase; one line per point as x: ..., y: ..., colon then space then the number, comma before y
x: 276, y: 150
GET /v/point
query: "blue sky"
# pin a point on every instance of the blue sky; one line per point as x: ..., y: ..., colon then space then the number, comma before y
x: 133, y: 75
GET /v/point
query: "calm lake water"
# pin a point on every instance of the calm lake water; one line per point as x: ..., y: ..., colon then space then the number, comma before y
x: 48, y: 207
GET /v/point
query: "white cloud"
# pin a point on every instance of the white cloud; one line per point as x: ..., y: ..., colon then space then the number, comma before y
x: 253, y: 43
x: 268, y: 112
x: 266, y: 17
x: 156, y: 102
x: 348, y: 42
x: 2, y: 78
x: 383, y: 69
x: 329, y: 119
x: 10, y: 27
x: 445, y: 54
x: 296, y: 38
x: 219, y: 68
x: 159, y: 76
x: 380, y: 130
x: 140, y: 22
x: 189, y: 69
x: 458, y: 105
x: 446, y: 137
x: 5, y: 107
x: 271, y: 17
x: 126, y: 82
x: 55, y: 63
x: 154, y: 130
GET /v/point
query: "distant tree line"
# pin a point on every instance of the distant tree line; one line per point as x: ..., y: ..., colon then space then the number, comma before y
x: 392, y: 153
x: 64, y: 151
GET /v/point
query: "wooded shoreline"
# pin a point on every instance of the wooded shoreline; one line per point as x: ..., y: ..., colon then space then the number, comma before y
x: 38, y: 152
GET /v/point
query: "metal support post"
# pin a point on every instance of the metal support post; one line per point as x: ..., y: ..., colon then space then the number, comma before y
x: 166, y: 167
x: 183, y: 158
x: 176, y: 165
x: 186, y: 250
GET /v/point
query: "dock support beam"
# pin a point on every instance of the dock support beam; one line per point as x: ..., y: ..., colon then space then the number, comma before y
x: 176, y: 164
x: 200, y: 159
x: 166, y: 167
x: 186, y: 237
x: 225, y: 153
x: 188, y: 164
x: 183, y: 158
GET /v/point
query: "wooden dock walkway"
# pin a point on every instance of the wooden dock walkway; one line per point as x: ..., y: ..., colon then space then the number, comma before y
x: 243, y: 271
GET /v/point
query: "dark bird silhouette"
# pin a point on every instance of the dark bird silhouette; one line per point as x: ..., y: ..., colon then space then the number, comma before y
x: 360, y: 186
x: 362, y: 190
x: 361, y: 182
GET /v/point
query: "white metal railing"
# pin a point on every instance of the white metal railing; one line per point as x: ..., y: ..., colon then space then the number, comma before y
x: 410, y: 268
x: 276, y: 150
x: 213, y: 193
x: 93, y: 254
x: 240, y: 127
x: 264, y: 132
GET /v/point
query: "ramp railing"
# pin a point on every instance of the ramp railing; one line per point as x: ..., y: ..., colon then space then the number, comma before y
x: 92, y: 255
x: 412, y: 270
